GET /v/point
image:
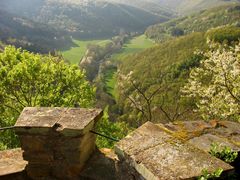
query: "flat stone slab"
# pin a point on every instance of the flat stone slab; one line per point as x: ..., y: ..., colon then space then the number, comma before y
x: 11, y: 162
x: 205, y: 141
x: 65, y: 119
x: 157, y: 154
x: 202, y: 134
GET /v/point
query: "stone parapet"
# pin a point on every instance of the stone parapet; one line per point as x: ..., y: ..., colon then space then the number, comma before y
x: 57, y: 142
x: 158, y: 154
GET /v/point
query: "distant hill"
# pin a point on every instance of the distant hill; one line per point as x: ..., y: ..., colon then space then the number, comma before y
x: 152, y: 6
x: 199, y: 22
x: 192, y: 6
x: 30, y: 35
x: 86, y: 18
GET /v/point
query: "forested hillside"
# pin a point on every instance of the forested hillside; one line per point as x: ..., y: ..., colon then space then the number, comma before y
x: 30, y: 35
x: 191, y: 6
x: 159, y: 72
x: 85, y: 19
x: 152, y: 6
x: 149, y: 83
x: 200, y: 22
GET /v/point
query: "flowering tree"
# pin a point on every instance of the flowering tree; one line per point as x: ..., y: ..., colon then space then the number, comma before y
x: 216, y: 84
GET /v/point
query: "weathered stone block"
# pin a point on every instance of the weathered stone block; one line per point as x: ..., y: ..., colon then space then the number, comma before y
x: 156, y: 154
x: 205, y: 141
x: 38, y: 157
x: 34, y: 143
x: 11, y: 162
x: 57, y: 140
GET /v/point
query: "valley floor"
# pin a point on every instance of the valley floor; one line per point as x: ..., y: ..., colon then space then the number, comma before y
x: 75, y: 54
x: 134, y: 45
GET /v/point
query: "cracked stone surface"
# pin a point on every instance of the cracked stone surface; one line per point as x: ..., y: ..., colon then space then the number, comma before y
x: 156, y: 153
x: 202, y: 134
x: 66, y: 120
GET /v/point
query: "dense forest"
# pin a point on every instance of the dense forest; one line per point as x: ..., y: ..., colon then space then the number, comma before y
x: 200, y: 22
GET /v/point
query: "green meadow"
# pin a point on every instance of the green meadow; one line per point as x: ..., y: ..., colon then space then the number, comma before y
x: 75, y: 54
x: 110, y: 77
x: 137, y: 44
x: 134, y: 45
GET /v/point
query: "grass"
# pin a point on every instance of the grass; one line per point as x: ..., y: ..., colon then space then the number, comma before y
x: 135, y: 45
x: 75, y: 54
x: 110, y: 79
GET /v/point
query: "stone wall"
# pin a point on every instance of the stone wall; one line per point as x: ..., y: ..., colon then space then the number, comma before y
x: 56, y: 142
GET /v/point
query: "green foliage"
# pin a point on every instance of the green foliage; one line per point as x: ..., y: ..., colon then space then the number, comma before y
x: 28, y: 80
x: 110, y: 78
x: 207, y: 175
x: 183, y: 68
x: 192, y: 6
x: 176, y: 32
x: 224, y: 34
x: 116, y: 130
x: 224, y: 153
x: 199, y: 22
x: 173, y: 60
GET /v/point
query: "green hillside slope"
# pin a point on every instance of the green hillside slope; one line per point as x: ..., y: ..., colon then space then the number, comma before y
x: 200, y: 22
x: 147, y: 69
x: 192, y: 6
x: 164, y: 69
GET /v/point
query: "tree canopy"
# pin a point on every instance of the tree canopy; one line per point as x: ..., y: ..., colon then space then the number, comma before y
x: 28, y: 79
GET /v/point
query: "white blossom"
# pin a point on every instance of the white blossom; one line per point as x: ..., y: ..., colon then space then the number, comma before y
x: 216, y: 84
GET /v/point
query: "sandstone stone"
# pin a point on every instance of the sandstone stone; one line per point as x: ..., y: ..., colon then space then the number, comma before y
x: 205, y: 141
x: 203, y: 134
x: 156, y: 154
x: 11, y: 162
x: 34, y: 143
x: 38, y: 157
x: 69, y: 144
x: 68, y: 121
x: 57, y: 141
